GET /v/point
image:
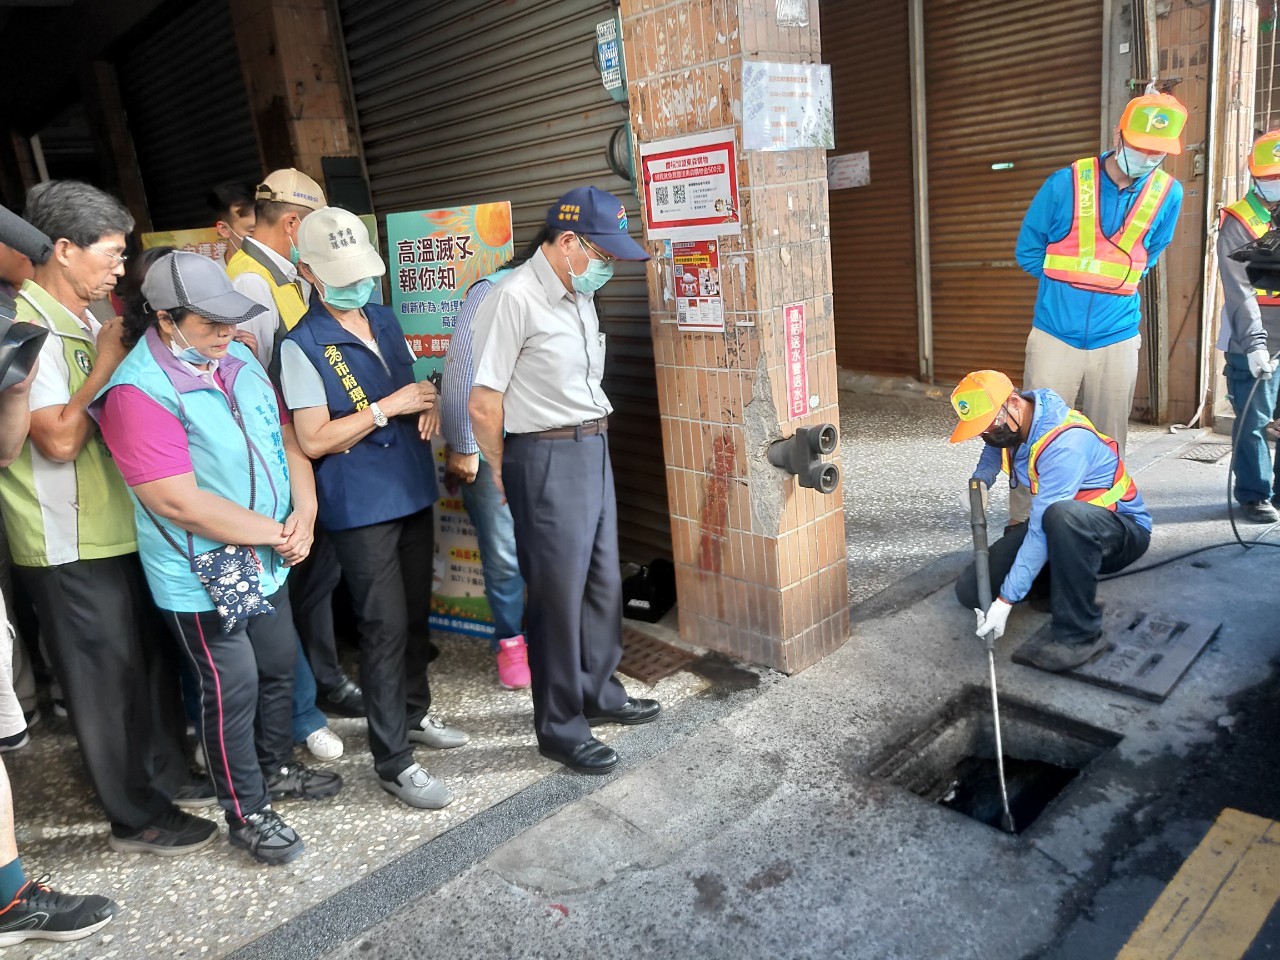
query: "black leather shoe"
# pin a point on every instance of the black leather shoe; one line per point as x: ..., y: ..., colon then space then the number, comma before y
x: 630, y: 713
x: 589, y: 757
x: 344, y: 700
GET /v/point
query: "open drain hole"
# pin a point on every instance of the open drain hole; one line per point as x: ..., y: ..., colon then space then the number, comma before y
x: 951, y: 759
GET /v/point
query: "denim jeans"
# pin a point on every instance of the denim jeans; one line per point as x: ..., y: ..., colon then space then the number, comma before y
x: 496, y: 534
x: 1253, y: 465
x: 307, y: 718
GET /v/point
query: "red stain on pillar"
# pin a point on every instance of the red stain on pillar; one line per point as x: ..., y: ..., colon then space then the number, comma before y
x: 715, y: 504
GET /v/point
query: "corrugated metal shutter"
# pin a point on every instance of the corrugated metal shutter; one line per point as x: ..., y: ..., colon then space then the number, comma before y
x: 500, y: 101
x: 873, y: 254
x: 189, y: 114
x: 1013, y: 81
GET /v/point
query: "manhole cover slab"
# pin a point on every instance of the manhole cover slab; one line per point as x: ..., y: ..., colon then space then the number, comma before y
x: 1210, y: 451
x: 1149, y: 652
x: 649, y: 659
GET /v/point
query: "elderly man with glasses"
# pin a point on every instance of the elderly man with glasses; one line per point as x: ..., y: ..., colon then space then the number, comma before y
x: 71, y: 531
x: 1087, y: 516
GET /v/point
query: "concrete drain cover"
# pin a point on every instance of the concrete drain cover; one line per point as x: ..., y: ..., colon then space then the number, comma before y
x: 1149, y: 652
x: 950, y: 760
x: 1208, y: 451
x: 649, y: 659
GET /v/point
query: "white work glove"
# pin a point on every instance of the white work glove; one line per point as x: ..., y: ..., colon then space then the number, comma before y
x: 1261, y: 365
x: 994, y: 619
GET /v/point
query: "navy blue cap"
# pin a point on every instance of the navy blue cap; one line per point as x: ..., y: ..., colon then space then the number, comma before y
x: 598, y: 216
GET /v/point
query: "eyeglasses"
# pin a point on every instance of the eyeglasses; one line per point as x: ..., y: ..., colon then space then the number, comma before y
x: 120, y: 258
x: 588, y: 245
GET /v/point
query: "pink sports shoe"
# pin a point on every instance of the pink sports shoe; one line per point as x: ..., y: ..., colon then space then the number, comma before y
x: 513, y: 663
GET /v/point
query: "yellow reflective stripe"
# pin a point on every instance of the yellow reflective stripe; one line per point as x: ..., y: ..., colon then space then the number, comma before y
x: 1087, y: 206
x: 1073, y: 418
x: 1115, y: 494
x: 1057, y: 261
x: 1250, y: 211
x: 1140, y: 222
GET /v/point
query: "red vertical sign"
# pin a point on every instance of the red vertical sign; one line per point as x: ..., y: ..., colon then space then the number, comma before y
x: 797, y: 362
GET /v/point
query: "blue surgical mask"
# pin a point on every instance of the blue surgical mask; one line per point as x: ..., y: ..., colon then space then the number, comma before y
x: 595, y: 276
x: 1135, y: 163
x: 294, y: 254
x: 351, y: 297
x: 1267, y: 190
x: 186, y: 353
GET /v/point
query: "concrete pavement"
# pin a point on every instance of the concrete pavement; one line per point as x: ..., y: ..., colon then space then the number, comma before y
x: 745, y: 824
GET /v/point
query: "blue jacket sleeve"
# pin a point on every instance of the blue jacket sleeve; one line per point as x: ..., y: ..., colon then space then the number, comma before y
x: 988, y: 468
x: 459, y: 373
x: 1062, y: 467
x: 1046, y: 221
x: 1161, y: 233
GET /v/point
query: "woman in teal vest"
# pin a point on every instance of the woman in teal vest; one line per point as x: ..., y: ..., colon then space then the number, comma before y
x: 224, y: 503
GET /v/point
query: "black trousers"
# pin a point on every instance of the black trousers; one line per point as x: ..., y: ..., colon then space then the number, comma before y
x: 311, y: 586
x: 246, y: 698
x: 566, y: 518
x: 119, y: 677
x: 1083, y: 541
x: 388, y: 569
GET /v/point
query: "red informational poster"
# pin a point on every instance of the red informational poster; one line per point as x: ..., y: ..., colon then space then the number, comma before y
x: 691, y: 187
x: 797, y: 362
x: 696, y: 267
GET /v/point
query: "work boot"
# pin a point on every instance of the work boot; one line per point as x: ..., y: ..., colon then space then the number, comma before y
x: 1057, y: 657
x: 1259, y: 511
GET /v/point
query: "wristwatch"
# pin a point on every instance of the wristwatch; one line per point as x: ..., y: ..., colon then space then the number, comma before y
x: 379, y: 418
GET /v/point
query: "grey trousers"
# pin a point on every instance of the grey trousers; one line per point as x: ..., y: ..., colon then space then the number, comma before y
x: 1103, y: 380
x: 566, y: 519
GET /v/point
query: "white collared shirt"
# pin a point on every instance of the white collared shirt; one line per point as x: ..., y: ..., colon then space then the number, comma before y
x: 540, y: 345
x: 252, y: 285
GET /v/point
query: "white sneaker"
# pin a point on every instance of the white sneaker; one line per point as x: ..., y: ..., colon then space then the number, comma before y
x: 435, y: 734
x: 324, y: 744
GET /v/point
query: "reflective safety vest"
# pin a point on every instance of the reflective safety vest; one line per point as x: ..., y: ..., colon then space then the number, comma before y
x: 1088, y: 259
x: 1256, y: 217
x: 1122, y: 486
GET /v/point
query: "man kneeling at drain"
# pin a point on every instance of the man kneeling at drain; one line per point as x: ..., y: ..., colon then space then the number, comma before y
x: 1087, y: 517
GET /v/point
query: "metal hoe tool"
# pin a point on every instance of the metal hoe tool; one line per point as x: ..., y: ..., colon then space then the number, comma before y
x: 982, y: 571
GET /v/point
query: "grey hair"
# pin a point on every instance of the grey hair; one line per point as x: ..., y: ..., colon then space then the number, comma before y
x: 75, y: 211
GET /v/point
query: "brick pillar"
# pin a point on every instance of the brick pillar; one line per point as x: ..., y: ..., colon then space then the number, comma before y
x: 760, y: 561
x: 293, y: 76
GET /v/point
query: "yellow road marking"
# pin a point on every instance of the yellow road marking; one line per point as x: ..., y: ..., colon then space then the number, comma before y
x: 1219, y: 899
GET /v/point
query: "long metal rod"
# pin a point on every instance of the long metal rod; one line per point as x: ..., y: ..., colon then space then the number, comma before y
x: 920, y: 161
x: 982, y: 574
x: 1007, y: 820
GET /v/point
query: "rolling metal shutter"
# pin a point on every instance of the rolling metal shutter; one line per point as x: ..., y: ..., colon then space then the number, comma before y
x: 498, y: 100
x: 873, y: 254
x: 1008, y: 81
x: 191, y: 129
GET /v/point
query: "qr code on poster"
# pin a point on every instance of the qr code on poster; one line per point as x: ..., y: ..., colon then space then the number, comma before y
x: 678, y: 192
x: 662, y: 195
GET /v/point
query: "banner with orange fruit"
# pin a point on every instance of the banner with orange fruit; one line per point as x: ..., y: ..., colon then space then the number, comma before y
x: 434, y: 256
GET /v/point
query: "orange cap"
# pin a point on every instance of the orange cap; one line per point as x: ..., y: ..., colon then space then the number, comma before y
x: 977, y: 399
x: 1264, y: 158
x: 1154, y: 122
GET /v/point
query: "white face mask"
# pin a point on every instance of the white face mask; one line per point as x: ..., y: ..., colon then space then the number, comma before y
x: 1268, y: 190
x: 1135, y: 163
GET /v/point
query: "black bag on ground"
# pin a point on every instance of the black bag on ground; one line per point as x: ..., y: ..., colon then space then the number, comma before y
x: 649, y: 594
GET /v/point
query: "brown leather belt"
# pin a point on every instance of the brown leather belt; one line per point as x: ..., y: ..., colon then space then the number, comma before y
x: 588, y: 429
